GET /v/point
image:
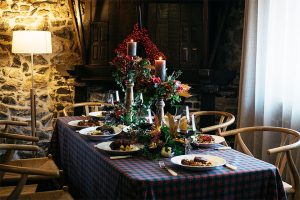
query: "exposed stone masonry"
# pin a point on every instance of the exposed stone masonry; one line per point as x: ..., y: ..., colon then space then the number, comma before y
x: 52, y: 89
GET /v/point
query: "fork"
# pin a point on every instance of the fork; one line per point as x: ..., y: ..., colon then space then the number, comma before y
x: 163, y: 165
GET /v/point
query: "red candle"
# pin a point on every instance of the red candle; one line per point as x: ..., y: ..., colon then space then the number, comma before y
x: 160, y: 68
x: 131, y: 48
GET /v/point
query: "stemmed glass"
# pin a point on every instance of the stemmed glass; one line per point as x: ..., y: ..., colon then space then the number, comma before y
x: 113, y: 97
x: 186, y: 127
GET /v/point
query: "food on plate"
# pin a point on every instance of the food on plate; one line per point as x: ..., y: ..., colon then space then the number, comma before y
x: 197, y: 161
x: 89, y: 122
x: 104, y: 113
x: 103, y: 130
x: 205, y: 139
x: 123, y: 145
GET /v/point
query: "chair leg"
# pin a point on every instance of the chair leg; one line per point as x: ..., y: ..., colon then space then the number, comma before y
x: 17, y: 191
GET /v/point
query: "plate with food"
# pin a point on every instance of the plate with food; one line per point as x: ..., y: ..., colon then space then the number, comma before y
x: 204, y: 140
x: 198, y: 162
x: 119, y: 147
x: 100, y: 114
x: 84, y: 123
x: 100, y: 132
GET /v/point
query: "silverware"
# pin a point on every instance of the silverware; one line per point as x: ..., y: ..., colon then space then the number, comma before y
x: 163, y: 165
x: 120, y: 157
x: 222, y: 148
x: 230, y: 166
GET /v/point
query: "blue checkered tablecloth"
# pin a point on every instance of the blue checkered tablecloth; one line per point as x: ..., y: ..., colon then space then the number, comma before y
x: 92, y: 175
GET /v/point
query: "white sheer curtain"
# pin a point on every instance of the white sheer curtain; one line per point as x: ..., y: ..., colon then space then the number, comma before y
x: 270, y: 72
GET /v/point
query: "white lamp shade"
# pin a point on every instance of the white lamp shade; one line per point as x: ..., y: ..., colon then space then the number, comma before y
x: 35, y: 42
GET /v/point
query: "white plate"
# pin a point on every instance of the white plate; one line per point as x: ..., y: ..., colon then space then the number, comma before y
x: 104, y: 146
x: 218, y: 140
x: 98, y: 114
x: 215, y: 160
x: 74, y: 123
x: 85, y: 133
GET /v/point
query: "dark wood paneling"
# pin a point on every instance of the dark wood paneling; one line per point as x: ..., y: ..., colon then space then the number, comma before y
x: 99, y: 43
x: 113, y: 26
x: 176, y: 27
x: 174, y: 36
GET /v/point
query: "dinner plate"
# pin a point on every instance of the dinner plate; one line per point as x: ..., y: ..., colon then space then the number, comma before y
x: 215, y: 160
x: 104, y: 146
x: 74, y: 124
x: 99, y: 114
x: 218, y: 140
x: 86, y: 133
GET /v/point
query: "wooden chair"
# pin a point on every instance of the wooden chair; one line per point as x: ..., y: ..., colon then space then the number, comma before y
x: 225, y: 119
x: 86, y: 105
x: 19, y: 191
x: 41, y: 163
x: 290, y: 139
x: 44, y: 163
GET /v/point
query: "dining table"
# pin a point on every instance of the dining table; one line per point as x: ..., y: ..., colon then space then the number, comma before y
x: 91, y: 174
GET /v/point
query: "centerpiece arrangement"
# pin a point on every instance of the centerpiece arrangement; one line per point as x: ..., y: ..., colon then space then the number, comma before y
x: 146, y: 83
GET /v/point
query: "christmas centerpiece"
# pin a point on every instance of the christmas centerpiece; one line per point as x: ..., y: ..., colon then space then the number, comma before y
x: 147, y: 78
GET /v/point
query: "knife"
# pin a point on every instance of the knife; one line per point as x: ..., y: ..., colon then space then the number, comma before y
x: 120, y: 157
x: 222, y: 148
x: 229, y: 166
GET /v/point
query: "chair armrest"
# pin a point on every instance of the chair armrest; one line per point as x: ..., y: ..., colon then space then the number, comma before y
x: 19, y: 147
x: 19, y: 137
x: 27, y: 170
x: 284, y: 148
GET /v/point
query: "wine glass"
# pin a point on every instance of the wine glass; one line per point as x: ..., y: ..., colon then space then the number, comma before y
x: 139, y: 100
x: 116, y: 97
x: 182, y: 116
x: 187, y: 127
x: 113, y: 97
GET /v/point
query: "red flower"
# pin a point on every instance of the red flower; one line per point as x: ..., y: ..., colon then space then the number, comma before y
x: 128, y: 58
x: 156, y: 80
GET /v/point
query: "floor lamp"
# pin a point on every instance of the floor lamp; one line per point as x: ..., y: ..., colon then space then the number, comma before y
x: 32, y: 42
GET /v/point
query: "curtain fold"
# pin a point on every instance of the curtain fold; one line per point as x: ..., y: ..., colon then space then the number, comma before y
x: 270, y: 72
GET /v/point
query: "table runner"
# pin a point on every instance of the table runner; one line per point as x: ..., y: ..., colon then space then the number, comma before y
x: 92, y: 175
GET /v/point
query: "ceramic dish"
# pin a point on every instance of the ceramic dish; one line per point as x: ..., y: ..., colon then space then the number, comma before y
x: 86, y: 132
x: 74, y: 124
x: 215, y: 161
x: 99, y: 114
x: 104, y: 146
x: 217, y: 140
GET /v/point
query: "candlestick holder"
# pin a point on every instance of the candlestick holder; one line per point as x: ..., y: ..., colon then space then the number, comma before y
x: 160, y: 110
x: 129, y: 99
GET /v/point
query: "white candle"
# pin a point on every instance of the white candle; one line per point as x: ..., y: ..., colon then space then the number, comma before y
x: 131, y: 48
x: 160, y: 68
x: 150, y: 116
x: 141, y: 98
x: 187, y: 113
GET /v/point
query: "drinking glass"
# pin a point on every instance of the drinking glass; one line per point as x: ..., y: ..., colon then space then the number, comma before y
x: 113, y: 97
x: 182, y: 116
x: 187, y: 127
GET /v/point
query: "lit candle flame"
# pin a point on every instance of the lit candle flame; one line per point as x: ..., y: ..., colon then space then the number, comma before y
x: 160, y: 58
x: 131, y: 40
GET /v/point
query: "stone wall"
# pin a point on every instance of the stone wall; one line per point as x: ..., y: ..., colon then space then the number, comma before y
x: 53, y: 91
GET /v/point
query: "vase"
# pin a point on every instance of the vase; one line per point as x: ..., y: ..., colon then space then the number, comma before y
x: 129, y: 99
x: 160, y: 110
